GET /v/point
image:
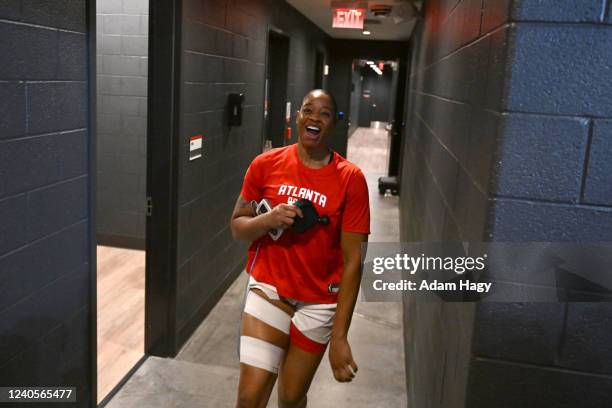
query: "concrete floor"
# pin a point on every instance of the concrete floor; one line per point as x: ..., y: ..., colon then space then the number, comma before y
x: 205, y: 373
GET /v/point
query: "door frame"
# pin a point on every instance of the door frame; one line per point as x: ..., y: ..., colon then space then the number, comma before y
x: 163, y: 150
x: 90, y: 6
x: 274, y: 30
x: 162, y: 186
x: 163, y: 146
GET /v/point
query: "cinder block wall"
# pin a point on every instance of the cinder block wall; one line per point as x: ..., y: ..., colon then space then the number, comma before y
x: 45, y: 224
x: 507, y: 134
x: 456, y: 75
x: 553, y: 182
x: 224, y: 46
x: 122, y: 57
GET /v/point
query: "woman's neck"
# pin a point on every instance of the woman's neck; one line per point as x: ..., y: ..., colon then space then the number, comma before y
x: 315, y: 158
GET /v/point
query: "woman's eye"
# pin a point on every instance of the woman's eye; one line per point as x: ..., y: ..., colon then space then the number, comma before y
x: 326, y: 114
x: 306, y: 110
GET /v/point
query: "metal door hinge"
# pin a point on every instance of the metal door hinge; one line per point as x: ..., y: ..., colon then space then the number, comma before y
x: 149, y: 206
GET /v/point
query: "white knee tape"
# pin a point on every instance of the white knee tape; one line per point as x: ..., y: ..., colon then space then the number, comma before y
x: 261, y: 354
x: 265, y: 311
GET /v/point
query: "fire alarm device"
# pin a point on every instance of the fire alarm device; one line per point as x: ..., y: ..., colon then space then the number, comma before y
x: 288, y: 112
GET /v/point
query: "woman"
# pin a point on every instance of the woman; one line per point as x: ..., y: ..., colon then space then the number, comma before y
x: 303, y: 286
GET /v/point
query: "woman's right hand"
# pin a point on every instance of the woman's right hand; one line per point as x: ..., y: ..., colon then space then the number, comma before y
x: 282, y: 216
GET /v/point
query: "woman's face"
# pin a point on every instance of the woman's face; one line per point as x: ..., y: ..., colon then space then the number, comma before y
x: 315, y: 120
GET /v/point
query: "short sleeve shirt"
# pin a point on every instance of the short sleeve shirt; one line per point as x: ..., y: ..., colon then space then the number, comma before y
x: 306, y: 266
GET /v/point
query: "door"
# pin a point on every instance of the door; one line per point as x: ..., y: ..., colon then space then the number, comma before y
x: 375, y: 96
x: 276, y: 88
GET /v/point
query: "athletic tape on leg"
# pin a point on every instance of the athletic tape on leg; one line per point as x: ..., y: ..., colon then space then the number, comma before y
x: 261, y: 354
x: 261, y: 309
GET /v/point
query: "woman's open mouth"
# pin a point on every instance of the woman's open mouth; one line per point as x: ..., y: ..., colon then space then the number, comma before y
x: 312, y: 132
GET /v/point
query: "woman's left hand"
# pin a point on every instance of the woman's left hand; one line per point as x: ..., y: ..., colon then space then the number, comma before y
x: 341, y: 360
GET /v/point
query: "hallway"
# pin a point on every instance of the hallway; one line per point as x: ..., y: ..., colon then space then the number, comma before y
x: 205, y: 372
x: 128, y: 125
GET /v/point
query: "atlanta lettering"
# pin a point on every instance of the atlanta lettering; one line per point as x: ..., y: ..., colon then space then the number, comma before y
x: 301, y: 192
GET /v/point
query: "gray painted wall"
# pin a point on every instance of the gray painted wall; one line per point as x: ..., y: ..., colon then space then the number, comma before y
x: 224, y: 51
x: 445, y: 144
x: 45, y: 224
x: 507, y: 130
x: 122, y: 55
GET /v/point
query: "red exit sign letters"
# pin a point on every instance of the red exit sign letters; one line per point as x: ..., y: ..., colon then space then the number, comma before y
x: 348, y: 18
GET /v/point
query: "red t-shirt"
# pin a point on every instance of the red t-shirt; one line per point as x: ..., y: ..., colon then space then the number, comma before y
x: 302, y: 266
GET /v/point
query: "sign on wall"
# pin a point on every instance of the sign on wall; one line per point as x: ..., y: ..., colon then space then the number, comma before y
x: 195, y: 147
x: 348, y: 18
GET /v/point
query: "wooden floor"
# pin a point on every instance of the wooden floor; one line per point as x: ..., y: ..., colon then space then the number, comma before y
x: 121, y: 294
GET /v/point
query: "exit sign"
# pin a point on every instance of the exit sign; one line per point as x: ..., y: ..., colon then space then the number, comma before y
x: 348, y: 18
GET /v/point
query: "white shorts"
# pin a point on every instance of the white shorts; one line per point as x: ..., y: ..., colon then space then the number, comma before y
x: 309, y: 328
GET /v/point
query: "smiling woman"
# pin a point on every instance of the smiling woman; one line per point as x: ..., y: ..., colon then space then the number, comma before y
x: 316, y: 118
x: 303, y: 284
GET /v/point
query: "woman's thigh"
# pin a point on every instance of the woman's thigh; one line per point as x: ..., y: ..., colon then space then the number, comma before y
x: 296, y: 374
x: 260, y: 342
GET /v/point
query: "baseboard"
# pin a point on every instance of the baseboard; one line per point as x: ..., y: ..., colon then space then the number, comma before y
x: 121, y: 241
x: 123, y: 381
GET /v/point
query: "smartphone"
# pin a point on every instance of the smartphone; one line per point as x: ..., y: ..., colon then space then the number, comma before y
x: 264, y: 207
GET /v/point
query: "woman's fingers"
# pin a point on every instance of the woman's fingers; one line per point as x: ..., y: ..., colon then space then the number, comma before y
x: 287, y: 221
x: 292, y: 209
x: 284, y: 215
x: 345, y: 374
x: 298, y: 210
x: 288, y: 213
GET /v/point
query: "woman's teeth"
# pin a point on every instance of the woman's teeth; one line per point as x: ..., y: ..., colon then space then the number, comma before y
x: 313, y: 130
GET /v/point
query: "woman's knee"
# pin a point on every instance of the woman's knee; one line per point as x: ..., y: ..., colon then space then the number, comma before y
x: 288, y: 398
x: 252, y: 397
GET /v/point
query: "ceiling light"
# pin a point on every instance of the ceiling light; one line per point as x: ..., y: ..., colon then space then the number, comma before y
x: 370, y: 62
x: 366, y: 32
x: 376, y: 69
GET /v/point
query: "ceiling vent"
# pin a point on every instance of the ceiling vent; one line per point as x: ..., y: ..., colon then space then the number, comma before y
x: 381, y: 10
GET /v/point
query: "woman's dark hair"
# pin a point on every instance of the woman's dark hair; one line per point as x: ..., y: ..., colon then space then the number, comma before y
x: 330, y: 96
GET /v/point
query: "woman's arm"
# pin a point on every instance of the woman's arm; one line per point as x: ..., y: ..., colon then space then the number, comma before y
x: 247, y: 226
x: 340, y: 355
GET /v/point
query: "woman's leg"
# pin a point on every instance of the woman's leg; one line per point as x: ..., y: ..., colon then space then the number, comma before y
x: 296, y: 374
x: 256, y: 383
x: 310, y: 332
